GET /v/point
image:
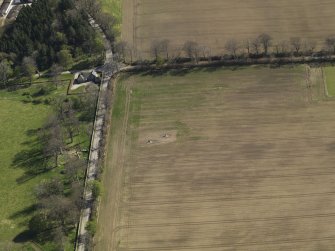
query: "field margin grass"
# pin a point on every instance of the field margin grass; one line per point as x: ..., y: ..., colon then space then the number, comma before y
x: 329, y: 75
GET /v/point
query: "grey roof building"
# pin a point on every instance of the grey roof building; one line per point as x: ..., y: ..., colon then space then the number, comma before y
x: 84, y: 77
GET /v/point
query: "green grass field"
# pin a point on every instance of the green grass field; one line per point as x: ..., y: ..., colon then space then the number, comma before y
x: 18, y: 119
x: 330, y: 78
x: 22, y: 112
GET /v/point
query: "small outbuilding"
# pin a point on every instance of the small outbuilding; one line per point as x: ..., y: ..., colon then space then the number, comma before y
x: 84, y: 77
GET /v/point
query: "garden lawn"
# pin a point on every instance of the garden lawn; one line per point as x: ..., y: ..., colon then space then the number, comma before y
x: 17, y: 120
x: 22, y: 112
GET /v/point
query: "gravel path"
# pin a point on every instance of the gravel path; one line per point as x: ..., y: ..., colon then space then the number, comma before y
x: 92, y: 170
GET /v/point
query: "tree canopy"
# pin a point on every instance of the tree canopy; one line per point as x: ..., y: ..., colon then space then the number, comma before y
x: 45, y: 30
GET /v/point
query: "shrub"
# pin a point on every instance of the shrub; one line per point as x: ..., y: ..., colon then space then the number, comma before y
x: 47, y: 101
x: 36, y: 101
x: 96, y: 189
x: 42, y: 91
x: 92, y: 226
x: 76, y: 103
x: 27, y: 99
x: 26, y: 94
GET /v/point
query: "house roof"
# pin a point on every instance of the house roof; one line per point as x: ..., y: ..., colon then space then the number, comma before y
x: 95, y: 74
x: 92, y: 76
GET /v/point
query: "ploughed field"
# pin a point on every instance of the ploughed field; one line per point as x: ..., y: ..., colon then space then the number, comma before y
x: 220, y: 159
x: 211, y: 23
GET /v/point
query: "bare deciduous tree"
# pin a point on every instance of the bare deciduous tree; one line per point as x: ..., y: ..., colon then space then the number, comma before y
x: 265, y: 39
x: 156, y: 49
x: 247, y: 46
x: 77, y: 191
x: 58, y: 106
x: 296, y: 43
x: 90, y: 6
x: 29, y: 67
x: 105, y: 21
x: 232, y: 47
x: 5, y: 72
x: 49, y: 188
x: 309, y: 46
x: 176, y: 54
x: 132, y: 53
x: 191, y: 49
x: 276, y: 47
x: 256, y: 44
x: 121, y: 49
x: 165, y: 44
x: 54, y: 144
x: 330, y: 43
x: 60, y: 210
x: 74, y: 168
x: 55, y: 72
x: 284, y: 47
x: 206, y: 52
x: 89, y: 101
x: 160, y: 46
x: 59, y: 237
x: 87, y: 239
x: 69, y: 119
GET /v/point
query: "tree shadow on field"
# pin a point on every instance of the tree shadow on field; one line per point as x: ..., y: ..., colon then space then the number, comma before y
x: 32, y: 132
x: 23, y: 212
x: 23, y: 237
x: 212, y: 68
x: 154, y: 73
x: 20, y: 217
x: 31, y: 159
x: 169, y: 72
x: 182, y: 72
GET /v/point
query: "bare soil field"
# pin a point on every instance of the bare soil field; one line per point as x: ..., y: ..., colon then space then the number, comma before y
x: 220, y: 159
x: 211, y: 23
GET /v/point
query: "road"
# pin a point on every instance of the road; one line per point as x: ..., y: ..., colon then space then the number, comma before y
x: 3, y: 18
x: 108, y: 69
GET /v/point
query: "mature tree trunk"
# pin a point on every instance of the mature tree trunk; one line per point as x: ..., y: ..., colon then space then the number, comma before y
x: 29, y: 67
x: 247, y: 46
x: 56, y: 71
x: 192, y: 50
x: 265, y: 40
x: 256, y: 44
x: 232, y: 46
x: 296, y: 43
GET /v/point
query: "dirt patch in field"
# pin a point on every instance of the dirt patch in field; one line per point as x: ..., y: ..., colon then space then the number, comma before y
x: 157, y: 138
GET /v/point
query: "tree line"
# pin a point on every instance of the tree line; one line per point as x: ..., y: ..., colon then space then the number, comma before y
x: 60, y: 198
x: 261, y: 46
x: 105, y: 21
